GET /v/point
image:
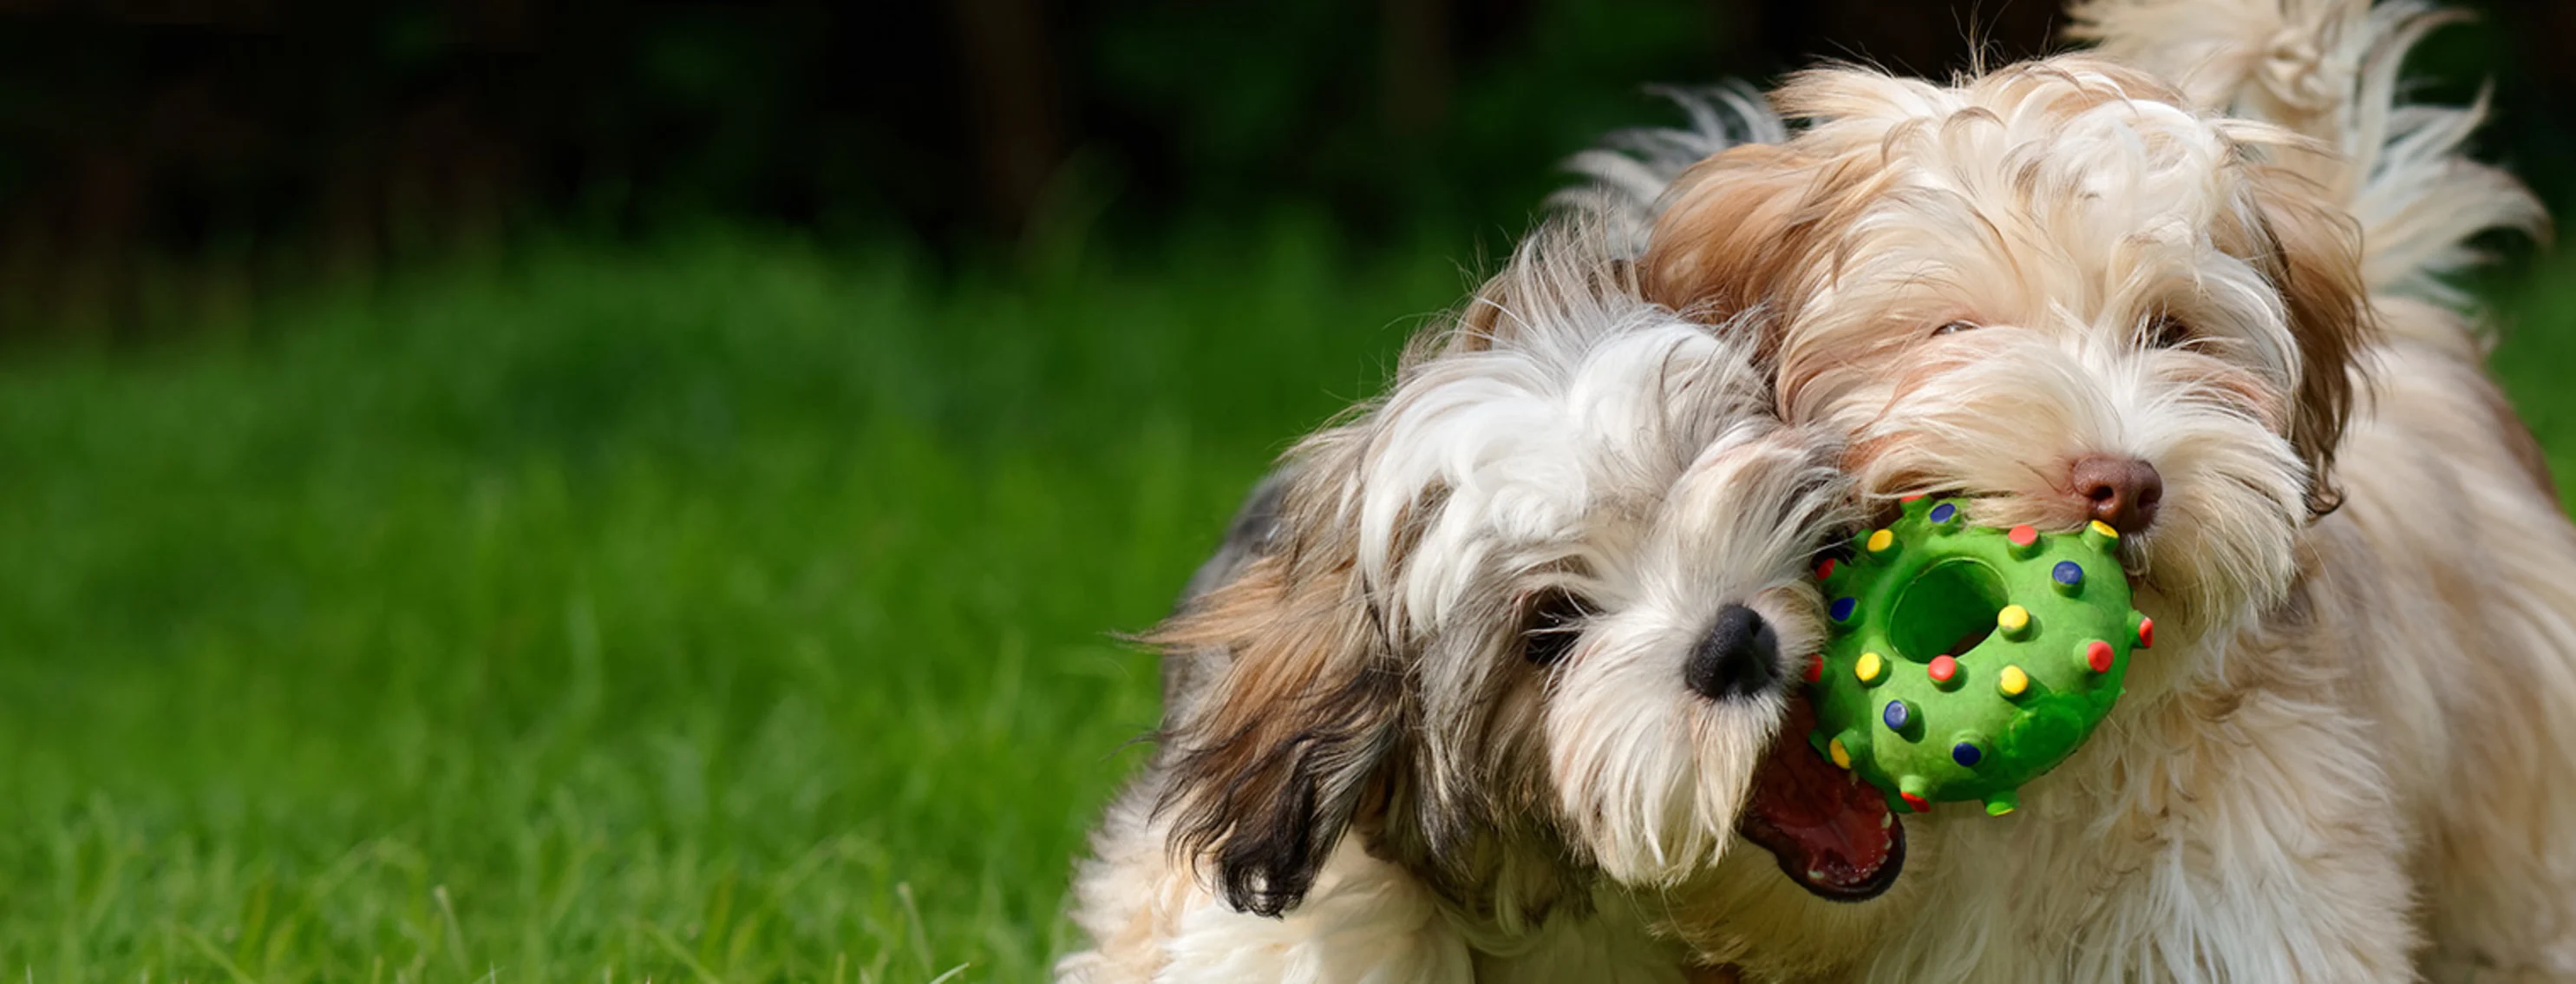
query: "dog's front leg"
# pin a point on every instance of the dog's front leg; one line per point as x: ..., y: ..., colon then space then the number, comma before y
x: 1364, y: 922
x: 2255, y: 838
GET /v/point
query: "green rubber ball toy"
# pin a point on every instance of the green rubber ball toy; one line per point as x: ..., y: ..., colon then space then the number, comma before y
x: 1966, y: 661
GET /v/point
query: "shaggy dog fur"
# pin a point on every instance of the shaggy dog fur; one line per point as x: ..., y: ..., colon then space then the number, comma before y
x: 2349, y: 755
x: 1481, y: 668
x: 1484, y: 679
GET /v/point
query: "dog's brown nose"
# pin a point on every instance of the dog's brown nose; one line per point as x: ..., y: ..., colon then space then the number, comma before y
x: 2123, y: 492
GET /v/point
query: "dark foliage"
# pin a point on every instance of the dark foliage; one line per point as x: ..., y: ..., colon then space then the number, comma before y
x: 259, y: 139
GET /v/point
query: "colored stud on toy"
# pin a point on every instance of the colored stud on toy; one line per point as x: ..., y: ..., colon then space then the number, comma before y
x: 1902, y: 720
x: 1910, y: 793
x: 2012, y: 682
x: 2067, y: 577
x: 2013, y: 621
x: 1999, y: 609
x: 1967, y: 754
x: 2024, y: 540
x: 2098, y: 656
x: 2101, y: 536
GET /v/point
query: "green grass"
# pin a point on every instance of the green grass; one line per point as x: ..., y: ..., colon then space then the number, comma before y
x: 718, y: 612
x: 722, y: 611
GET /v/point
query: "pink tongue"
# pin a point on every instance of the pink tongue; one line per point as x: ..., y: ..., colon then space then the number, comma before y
x: 1833, y: 833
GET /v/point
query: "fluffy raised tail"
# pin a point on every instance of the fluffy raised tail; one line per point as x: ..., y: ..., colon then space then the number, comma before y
x: 2328, y: 69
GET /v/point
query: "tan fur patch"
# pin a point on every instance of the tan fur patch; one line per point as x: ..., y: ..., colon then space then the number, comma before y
x: 2312, y: 252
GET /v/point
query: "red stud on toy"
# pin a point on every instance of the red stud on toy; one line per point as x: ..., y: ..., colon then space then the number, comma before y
x: 2098, y: 656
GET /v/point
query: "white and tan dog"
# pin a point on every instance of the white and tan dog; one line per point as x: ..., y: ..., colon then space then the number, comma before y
x: 2207, y: 314
x: 1477, y: 690
x: 1485, y: 669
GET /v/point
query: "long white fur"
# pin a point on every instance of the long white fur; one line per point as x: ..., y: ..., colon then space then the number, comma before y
x: 1585, y: 441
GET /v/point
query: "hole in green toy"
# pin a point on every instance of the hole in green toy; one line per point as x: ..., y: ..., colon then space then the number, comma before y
x: 1948, y: 610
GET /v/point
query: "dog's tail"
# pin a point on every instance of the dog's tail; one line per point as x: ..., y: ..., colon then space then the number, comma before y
x: 1623, y: 180
x: 2328, y: 69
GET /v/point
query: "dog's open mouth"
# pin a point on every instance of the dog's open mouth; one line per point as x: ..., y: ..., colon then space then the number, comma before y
x: 1833, y: 833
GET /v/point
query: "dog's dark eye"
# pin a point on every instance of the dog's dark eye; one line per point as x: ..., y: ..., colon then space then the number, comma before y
x: 1555, y: 620
x: 1954, y: 328
x: 2168, y: 331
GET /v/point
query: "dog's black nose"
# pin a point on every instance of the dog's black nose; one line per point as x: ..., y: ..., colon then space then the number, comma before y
x: 1739, y: 657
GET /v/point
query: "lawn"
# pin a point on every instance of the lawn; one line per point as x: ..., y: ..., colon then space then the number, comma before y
x: 721, y: 610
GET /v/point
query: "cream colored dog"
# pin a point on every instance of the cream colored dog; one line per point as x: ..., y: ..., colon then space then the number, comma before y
x: 2206, y: 312
x: 1482, y: 686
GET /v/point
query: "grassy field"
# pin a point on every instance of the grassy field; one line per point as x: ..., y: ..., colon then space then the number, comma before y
x: 719, y: 612
x: 724, y: 611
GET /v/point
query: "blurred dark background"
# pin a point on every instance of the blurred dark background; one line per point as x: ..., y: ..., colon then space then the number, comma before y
x: 163, y: 162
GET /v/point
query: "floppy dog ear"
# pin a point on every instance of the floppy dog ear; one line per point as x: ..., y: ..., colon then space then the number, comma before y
x: 2311, y: 252
x: 1740, y: 225
x: 1278, y: 756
